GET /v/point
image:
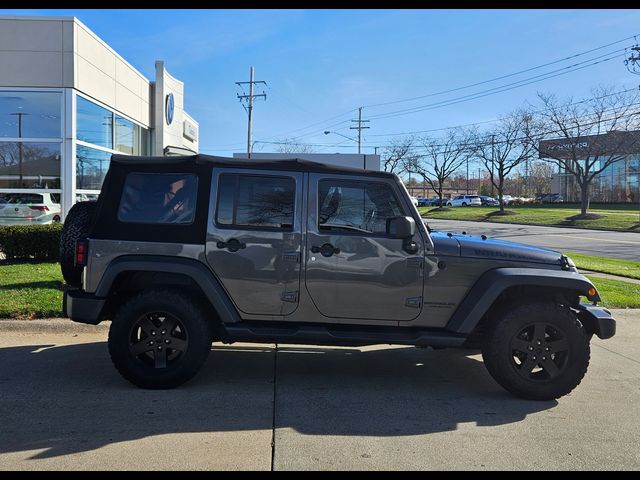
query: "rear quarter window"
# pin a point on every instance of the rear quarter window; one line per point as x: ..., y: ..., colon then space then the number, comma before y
x: 158, y: 198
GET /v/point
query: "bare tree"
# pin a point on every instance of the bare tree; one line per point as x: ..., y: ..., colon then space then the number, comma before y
x: 441, y: 158
x: 395, y: 156
x: 502, y: 149
x: 540, y: 174
x: 584, y: 138
x: 291, y: 146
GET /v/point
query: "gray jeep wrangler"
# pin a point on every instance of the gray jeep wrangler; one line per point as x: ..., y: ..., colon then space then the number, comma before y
x: 180, y: 252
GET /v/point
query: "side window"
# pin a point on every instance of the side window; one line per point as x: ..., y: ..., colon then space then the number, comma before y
x: 158, y: 198
x: 257, y: 201
x: 356, y: 206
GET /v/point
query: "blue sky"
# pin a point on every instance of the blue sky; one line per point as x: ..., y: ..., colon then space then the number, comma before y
x: 321, y: 64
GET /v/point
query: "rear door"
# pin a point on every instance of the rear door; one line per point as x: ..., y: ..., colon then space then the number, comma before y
x: 254, y: 237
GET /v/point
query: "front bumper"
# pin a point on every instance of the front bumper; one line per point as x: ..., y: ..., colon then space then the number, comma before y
x: 597, y: 320
x: 83, y: 307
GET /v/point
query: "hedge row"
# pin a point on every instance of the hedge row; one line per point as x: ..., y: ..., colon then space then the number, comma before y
x: 39, y: 242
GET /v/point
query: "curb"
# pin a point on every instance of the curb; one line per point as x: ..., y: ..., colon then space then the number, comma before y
x: 534, y: 225
x: 52, y: 326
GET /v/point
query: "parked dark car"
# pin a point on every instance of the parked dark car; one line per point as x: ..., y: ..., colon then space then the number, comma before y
x: 489, y: 201
x: 549, y: 198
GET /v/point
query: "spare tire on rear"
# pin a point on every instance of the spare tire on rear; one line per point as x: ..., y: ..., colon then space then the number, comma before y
x: 76, y: 226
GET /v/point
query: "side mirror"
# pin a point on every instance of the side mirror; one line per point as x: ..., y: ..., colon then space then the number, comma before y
x: 401, y: 227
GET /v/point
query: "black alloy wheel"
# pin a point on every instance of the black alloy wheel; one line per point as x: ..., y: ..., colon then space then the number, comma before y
x: 540, y: 352
x: 158, y: 339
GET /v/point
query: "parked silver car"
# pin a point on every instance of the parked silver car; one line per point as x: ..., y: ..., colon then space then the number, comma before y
x: 29, y: 208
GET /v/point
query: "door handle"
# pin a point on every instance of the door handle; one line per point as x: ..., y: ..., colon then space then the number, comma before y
x: 326, y: 250
x: 232, y: 245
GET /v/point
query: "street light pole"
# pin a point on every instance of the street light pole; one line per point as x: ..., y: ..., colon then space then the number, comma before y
x: 20, y: 171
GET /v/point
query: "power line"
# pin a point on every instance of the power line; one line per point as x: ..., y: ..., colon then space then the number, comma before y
x: 500, y: 77
x: 497, y: 119
x: 488, y: 92
x: 494, y: 90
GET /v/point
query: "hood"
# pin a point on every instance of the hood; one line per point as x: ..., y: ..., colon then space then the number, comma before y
x: 488, y: 248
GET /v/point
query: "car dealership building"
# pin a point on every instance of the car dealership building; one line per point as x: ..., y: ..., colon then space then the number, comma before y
x: 68, y: 102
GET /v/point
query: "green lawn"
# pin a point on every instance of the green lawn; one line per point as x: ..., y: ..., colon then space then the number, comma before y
x: 613, y: 266
x: 30, y: 290
x: 616, y: 293
x: 612, y: 219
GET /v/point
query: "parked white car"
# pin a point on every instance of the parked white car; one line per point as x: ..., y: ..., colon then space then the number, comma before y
x: 415, y: 201
x: 29, y: 208
x: 465, y: 201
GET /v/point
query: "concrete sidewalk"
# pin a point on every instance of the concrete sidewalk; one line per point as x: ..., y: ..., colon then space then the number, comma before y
x: 262, y: 406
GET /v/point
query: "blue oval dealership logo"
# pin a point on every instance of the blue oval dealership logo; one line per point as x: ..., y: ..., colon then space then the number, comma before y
x: 169, y: 109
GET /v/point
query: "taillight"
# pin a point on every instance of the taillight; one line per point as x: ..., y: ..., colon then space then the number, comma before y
x: 82, y: 247
x: 42, y: 208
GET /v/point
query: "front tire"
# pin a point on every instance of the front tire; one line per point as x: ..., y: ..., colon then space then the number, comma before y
x: 159, y: 339
x: 537, y: 351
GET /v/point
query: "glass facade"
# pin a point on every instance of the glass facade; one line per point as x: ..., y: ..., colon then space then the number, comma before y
x: 30, y: 139
x: 29, y: 165
x: 30, y: 114
x: 619, y: 183
x: 94, y: 123
x: 100, y: 127
x: 91, y: 167
x: 33, y: 144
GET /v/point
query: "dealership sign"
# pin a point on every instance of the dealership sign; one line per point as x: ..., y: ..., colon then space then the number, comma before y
x: 611, y: 143
x: 190, y: 130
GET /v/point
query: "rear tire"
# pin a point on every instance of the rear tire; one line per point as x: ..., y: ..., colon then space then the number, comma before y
x: 537, y: 351
x: 160, y: 339
x: 76, y: 226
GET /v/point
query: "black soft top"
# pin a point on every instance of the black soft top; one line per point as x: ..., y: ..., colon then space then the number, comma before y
x: 297, y: 164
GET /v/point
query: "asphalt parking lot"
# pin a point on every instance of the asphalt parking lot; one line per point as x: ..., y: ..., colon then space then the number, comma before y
x: 624, y: 245
x: 263, y: 407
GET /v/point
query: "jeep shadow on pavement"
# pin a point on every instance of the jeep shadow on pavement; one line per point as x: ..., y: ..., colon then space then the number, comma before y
x: 182, y: 251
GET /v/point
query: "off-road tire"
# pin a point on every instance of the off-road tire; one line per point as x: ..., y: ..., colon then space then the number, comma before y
x: 508, y: 327
x: 139, y: 370
x: 76, y: 226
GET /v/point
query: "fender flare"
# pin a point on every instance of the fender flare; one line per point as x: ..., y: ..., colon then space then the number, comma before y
x: 193, y: 269
x: 492, y: 283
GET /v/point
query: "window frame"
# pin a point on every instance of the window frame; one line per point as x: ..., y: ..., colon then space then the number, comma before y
x: 360, y: 182
x: 161, y: 224
x: 234, y: 226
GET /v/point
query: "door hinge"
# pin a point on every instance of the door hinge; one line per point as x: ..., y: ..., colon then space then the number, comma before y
x: 289, y: 296
x: 291, y: 256
x: 413, y: 302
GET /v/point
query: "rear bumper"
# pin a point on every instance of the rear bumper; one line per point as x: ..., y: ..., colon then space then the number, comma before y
x: 82, y: 307
x: 597, y: 320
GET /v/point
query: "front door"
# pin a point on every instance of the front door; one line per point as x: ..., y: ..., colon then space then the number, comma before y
x: 354, y: 269
x: 254, y: 238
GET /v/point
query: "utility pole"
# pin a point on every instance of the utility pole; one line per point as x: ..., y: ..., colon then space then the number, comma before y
x: 359, y: 127
x: 250, y: 98
x: 467, y: 175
